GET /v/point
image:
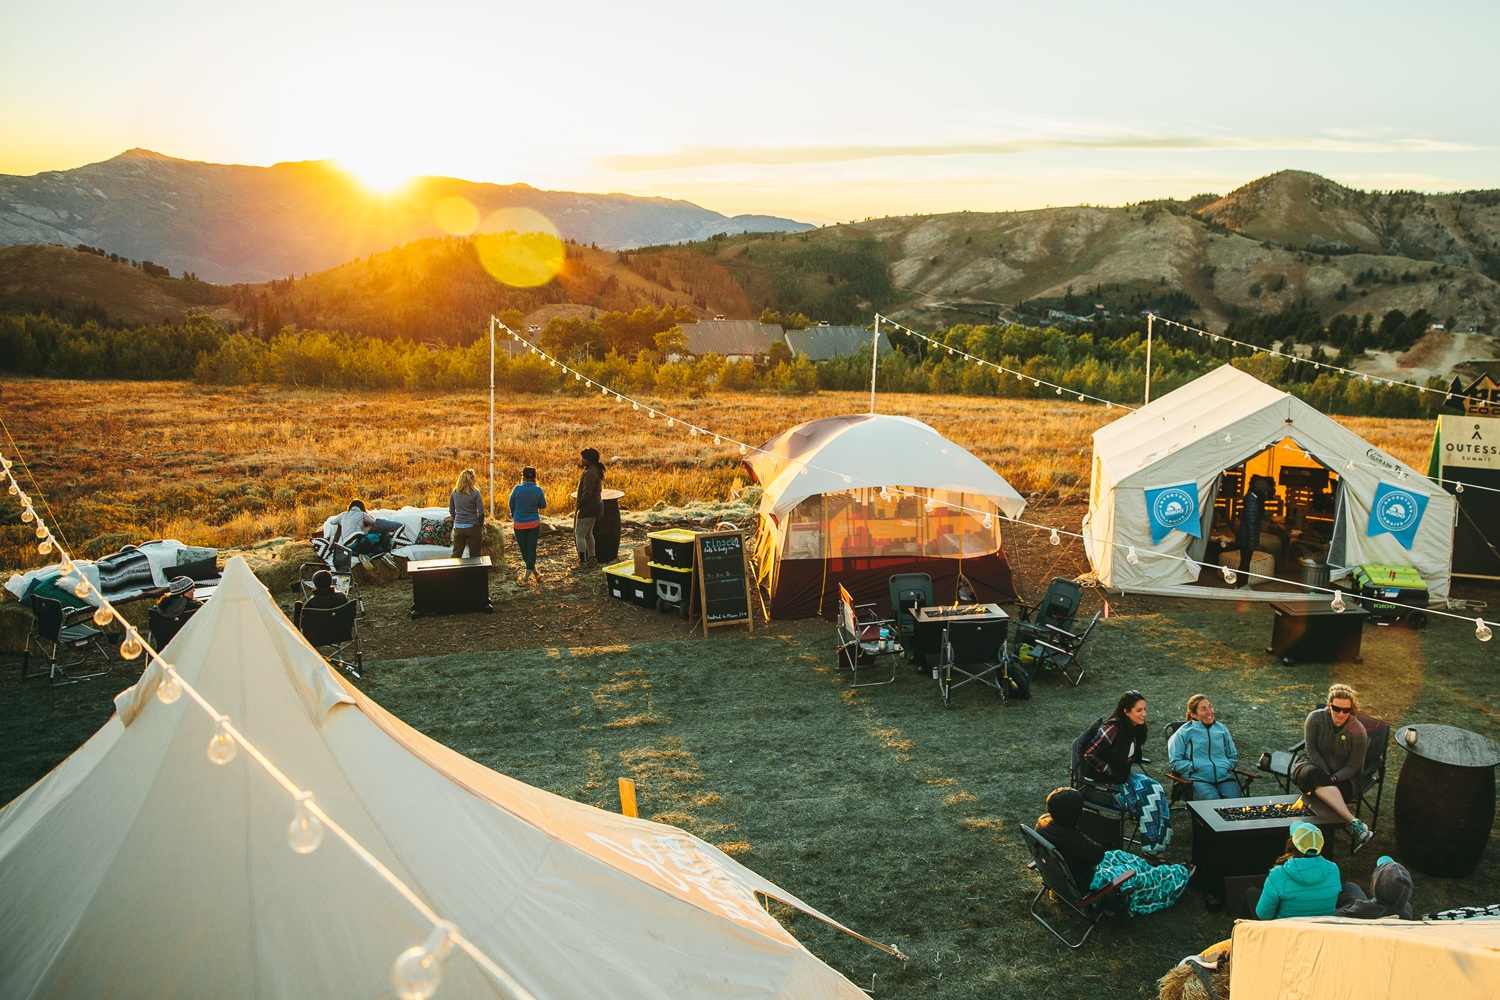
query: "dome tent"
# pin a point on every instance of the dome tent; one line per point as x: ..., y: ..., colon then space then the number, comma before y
x: 827, y: 517
x: 137, y: 868
x: 1194, y: 433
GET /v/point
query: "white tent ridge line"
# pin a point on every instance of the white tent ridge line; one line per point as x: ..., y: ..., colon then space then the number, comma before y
x: 299, y: 795
x: 868, y: 484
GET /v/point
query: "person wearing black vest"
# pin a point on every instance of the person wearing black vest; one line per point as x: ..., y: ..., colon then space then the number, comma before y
x: 590, y: 506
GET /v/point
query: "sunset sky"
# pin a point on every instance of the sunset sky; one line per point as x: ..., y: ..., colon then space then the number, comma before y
x: 820, y: 111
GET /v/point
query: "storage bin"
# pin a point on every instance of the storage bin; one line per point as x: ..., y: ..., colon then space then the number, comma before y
x: 672, y: 548
x: 673, y: 585
x: 1391, y: 589
x: 625, y: 585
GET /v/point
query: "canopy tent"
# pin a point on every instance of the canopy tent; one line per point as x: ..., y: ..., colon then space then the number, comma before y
x: 1190, y: 436
x: 138, y: 869
x: 1335, y: 958
x: 827, y: 517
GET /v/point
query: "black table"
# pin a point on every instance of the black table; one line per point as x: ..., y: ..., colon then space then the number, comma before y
x: 449, y: 586
x: 1311, y: 631
x: 1223, y: 847
x: 1445, y: 799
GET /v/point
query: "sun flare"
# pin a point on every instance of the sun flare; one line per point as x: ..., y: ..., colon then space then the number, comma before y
x: 378, y: 173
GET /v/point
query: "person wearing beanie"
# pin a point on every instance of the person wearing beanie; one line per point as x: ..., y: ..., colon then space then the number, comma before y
x: 1093, y: 867
x: 324, y: 594
x: 178, y: 601
x: 590, y: 506
x: 1303, y: 883
x: 527, y: 501
x: 1390, y: 894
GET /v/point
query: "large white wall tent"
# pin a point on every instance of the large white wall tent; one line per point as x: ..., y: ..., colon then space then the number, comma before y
x: 138, y: 869
x: 1224, y: 420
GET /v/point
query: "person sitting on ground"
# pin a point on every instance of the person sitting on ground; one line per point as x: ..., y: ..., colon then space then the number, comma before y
x: 1093, y: 867
x: 178, y: 601
x: 1390, y: 894
x: 1302, y: 883
x: 1330, y: 764
x: 1107, y: 760
x: 1203, y: 752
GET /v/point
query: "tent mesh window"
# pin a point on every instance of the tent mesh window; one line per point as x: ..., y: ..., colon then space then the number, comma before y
x: 859, y: 524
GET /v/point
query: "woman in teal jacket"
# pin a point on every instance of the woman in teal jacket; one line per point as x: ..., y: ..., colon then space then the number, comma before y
x: 1303, y: 884
x: 1203, y: 752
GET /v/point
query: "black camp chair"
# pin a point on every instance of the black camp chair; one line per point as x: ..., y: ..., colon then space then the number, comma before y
x: 1282, y: 764
x: 334, y: 627
x: 1051, y: 629
x: 1048, y: 862
x: 164, y: 627
x: 336, y: 559
x: 54, y: 631
x: 910, y: 591
x: 1182, y: 788
x: 1103, y: 819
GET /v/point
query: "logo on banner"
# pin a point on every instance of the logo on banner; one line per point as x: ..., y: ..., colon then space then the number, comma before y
x: 1396, y: 511
x: 1173, y: 508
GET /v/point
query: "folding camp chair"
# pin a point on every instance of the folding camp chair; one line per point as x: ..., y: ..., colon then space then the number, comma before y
x: 1048, y: 862
x: 1182, y: 788
x: 978, y: 653
x: 53, y: 631
x: 336, y: 559
x: 910, y: 591
x: 163, y: 627
x: 334, y: 627
x: 1103, y: 817
x: 864, y: 637
x: 1056, y: 647
x: 1282, y: 765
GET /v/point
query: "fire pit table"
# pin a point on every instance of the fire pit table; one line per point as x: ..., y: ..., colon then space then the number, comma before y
x: 1246, y: 836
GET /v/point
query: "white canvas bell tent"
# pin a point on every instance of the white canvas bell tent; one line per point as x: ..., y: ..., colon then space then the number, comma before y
x: 1336, y: 958
x: 139, y: 869
x: 1192, y: 434
x: 826, y: 521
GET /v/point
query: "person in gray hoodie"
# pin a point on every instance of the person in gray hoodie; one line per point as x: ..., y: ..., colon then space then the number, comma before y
x: 1390, y: 894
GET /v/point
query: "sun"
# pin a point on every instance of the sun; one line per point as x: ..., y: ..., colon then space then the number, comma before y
x: 380, y: 174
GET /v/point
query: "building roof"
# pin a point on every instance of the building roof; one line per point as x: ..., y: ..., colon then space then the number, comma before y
x: 820, y: 343
x: 726, y: 337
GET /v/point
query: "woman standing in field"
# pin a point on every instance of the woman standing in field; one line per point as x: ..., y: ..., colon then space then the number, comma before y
x: 466, y: 507
x: 527, y: 501
x: 590, y: 505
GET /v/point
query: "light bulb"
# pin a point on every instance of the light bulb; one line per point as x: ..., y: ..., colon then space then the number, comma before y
x: 1131, y: 557
x: 27, y: 515
x: 6, y: 463
x: 41, y: 529
x: 1055, y: 538
x: 1080, y: 397
x: 103, y: 616
x: 603, y: 391
x: 1036, y: 383
x: 1228, y: 438
x: 635, y: 406
x: 989, y: 522
x: 131, y: 647
x: 418, y: 970
x: 885, y: 494
x: 14, y: 489
x: 848, y: 479
x: 44, y: 546
x: 1059, y: 390
x: 65, y: 565
x: 221, y: 749
x: 1337, y: 604
x: 577, y: 377
x: 803, y: 470
x: 1229, y: 575
x: 716, y: 441
x: 305, y: 832
x: 743, y: 449
x: 170, y: 688
x: 1108, y: 405
x: 82, y: 590
x: 1482, y: 631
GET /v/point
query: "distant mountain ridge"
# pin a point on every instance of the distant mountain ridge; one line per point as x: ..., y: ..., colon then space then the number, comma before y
x: 229, y: 223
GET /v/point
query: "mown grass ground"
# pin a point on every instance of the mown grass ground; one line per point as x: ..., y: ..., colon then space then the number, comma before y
x: 878, y: 806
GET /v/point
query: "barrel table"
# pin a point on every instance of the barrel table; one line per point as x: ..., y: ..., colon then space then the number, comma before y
x: 606, y: 526
x: 1445, y: 799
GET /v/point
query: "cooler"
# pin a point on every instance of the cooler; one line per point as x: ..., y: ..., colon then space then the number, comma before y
x: 1392, y: 592
x: 672, y: 547
x: 625, y: 585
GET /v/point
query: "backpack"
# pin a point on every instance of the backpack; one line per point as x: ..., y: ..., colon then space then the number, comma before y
x: 1020, y: 682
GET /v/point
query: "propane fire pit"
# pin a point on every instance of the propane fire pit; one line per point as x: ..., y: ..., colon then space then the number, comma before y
x: 1246, y: 836
x: 1266, y: 810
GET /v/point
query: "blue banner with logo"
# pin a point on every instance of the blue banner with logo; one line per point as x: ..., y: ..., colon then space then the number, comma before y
x: 1173, y: 508
x: 1397, y: 510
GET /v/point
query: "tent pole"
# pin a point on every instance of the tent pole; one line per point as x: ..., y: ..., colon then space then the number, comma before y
x: 492, y: 418
x: 874, y: 358
x: 1149, y: 318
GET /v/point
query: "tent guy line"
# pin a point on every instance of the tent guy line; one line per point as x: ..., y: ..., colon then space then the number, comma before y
x: 1110, y: 404
x: 1481, y: 630
x: 410, y: 967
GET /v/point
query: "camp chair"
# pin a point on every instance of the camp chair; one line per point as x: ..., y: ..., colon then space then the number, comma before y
x: 864, y: 636
x: 1282, y: 764
x: 1182, y: 788
x: 50, y: 627
x: 1105, y: 820
x: 1048, y: 862
x: 1057, y: 647
x: 910, y: 591
x: 164, y: 626
x: 336, y: 559
x: 334, y: 627
x: 977, y: 652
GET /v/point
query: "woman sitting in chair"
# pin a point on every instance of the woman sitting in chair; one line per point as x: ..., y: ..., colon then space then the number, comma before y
x: 1092, y: 867
x: 1107, y: 761
x: 1203, y: 752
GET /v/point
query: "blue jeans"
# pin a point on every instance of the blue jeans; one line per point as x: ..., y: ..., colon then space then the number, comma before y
x: 1217, y: 790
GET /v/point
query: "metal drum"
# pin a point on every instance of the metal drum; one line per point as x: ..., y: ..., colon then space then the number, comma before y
x: 607, y: 527
x: 1314, y: 573
x: 1445, y: 799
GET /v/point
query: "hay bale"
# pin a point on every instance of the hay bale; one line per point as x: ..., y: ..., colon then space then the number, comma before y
x: 15, y: 625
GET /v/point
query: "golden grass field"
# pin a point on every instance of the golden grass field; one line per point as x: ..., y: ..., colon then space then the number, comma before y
x: 120, y: 462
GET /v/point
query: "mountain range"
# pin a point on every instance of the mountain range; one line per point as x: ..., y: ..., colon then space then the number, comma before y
x: 228, y: 223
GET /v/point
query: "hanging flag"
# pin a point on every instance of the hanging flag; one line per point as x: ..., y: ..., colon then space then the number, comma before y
x: 1396, y: 510
x: 1173, y: 508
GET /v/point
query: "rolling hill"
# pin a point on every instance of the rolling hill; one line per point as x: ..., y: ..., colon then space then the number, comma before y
x: 230, y: 223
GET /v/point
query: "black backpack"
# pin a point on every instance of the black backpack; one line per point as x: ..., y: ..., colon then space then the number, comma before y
x: 1019, y: 681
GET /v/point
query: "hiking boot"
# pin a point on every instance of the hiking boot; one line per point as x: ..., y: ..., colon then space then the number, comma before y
x: 1361, y: 834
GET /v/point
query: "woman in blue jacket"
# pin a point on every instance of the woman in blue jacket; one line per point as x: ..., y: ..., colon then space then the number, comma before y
x: 1303, y: 883
x: 527, y: 501
x: 1203, y: 752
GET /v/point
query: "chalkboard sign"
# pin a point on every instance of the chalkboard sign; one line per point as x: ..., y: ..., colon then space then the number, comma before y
x: 722, y: 575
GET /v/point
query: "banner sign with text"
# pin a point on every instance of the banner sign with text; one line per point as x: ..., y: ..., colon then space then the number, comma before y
x: 1396, y: 510
x: 1173, y: 508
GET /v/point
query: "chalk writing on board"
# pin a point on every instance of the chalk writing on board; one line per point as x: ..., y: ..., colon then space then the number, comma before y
x: 726, y: 596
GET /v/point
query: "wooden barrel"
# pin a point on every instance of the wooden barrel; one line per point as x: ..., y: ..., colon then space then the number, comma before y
x: 1445, y: 799
x: 607, y: 527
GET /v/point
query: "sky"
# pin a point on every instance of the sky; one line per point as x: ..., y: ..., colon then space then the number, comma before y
x: 815, y: 110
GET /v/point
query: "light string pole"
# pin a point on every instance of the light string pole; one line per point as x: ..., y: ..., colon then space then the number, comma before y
x: 1149, y: 318
x: 1132, y: 556
x: 874, y: 361
x: 416, y: 972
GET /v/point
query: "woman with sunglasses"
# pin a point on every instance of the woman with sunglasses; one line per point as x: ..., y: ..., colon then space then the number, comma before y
x: 1330, y: 764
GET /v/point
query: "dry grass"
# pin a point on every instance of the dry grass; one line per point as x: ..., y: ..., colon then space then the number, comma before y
x: 123, y: 462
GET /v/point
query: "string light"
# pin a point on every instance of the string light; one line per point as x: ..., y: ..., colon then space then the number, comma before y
x: 305, y: 832
x: 1337, y: 604
x: 418, y: 970
x: 989, y: 522
x: 1055, y: 538
x: 103, y: 615
x: 1131, y: 557
x: 1228, y: 574
x: 131, y: 647
x: 169, y: 689
x: 1482, y: 631
x: 221, y: 749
